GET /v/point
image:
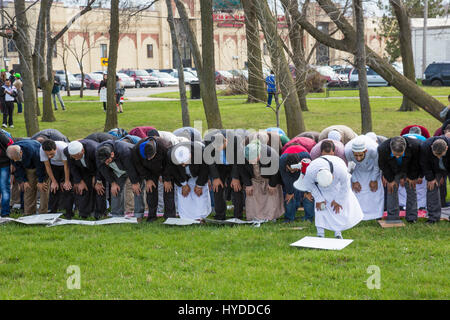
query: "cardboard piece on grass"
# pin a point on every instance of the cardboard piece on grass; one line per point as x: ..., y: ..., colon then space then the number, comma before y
x: 322, y: 243
x: 115, y: 220
x: 180, y: 222
x: 234, y: 221
x: 4, y: 220
x: 391, y: 223
x: 37, y: 219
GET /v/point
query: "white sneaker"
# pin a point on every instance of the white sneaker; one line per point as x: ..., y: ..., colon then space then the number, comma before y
x: 4, y: 126
x: 11, y: 126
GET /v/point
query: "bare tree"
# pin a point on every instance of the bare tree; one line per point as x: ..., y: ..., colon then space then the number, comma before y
x: 177, y: 57
x: 207, y: 77
x: 22, y: 37
x: 111, y: 109
x: 64, y: 55
x: 256, y: 90
x: 360, y: 57
x: 294, y: 118
x: 348, y: 44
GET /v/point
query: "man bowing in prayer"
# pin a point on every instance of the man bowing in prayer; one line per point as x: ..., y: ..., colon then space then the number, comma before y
x: 337, y: 208
x: 190, y: 175
x: 366, y: 176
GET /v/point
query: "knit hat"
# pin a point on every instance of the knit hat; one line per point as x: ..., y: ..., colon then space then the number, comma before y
x: 252, y: 150
x: 75, y: 147
x: 324, y: 178
x: 334, y: 135
x: 148, y: 149
x: 17, y: 75
x: 359, y: 144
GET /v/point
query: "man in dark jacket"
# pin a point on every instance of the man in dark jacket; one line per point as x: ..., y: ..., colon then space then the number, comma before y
x: 100, y: 137
x: 56, y: 91
x: 89, y: 185
x: 30, y: 174
x: 5, y: 182
x: 399, y: 161
x: 114, y: 161
x: 51, y: 134
x: 150, y: 157
x: 434, y: 161
x: 223, y: 152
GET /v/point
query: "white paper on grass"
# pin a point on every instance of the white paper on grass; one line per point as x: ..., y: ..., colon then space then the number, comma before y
x: 116, y: 220
x: 180, y: 222
x: 234, y: 221
x: 4, y: 220
x: 43, y: 219
x: 322, y: 243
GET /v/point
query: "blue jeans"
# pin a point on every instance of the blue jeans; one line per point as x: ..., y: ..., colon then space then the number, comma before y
x: 5, y: 189
x: 294, y: 204
x: 19, y: 107
x: 309, y: 209
x: 270, y: 96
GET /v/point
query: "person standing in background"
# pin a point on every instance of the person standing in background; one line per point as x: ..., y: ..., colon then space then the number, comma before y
x: 10, y: 94
x: 102, y: 91
x: 56, y: 91
x: 18, y: 85
x: 271, y: 88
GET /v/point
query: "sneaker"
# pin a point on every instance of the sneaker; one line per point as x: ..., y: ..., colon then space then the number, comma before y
x: 411, y: 221
x: 339, y: 237
x: 11, y: 126
x: 4, y: 126
x: 129, y: 214
x: 430, y: 221
x: 151, y: 219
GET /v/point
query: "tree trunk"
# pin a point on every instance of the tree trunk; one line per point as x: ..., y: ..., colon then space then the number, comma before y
x: 111, y: 109
x: 366, y: 115
x: 348, y: 44
x: 67, y: 78
x: 294, y: 118
x: 47, y: 78
x: 177, y: 56
x: 296, y: 39
x: 82, y: 82
x: 23, y: 44
x: 405, y: 48
x: 209, y: 97
x: 208, y: 76
x: 256, y: 89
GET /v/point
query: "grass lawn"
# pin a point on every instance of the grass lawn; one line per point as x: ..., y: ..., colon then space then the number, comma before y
x: 209, y: 262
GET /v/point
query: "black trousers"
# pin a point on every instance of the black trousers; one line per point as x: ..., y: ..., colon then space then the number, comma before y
x: 61, y: 199
x: 220, y: 197
x: 8, y: 111
x: 169, y: 203
x: 89, y: 201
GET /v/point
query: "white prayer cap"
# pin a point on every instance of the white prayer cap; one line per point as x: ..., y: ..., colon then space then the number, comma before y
x: 372, y: 136
x: 324, y: 178
x: 334, y: 135
x: 182, y: 154
x: 75, y: 147
x: 359, y: 144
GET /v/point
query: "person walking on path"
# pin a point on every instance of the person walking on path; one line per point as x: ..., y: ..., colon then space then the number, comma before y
x: 56, y: 91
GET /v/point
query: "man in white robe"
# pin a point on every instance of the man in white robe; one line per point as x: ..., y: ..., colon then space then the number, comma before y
x: 366, y: 176
x: 337, y: 208
x: 191, y: 181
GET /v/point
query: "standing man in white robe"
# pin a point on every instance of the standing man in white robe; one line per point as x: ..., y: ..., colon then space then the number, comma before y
x: 190, y: 175
x: 366, y: 176
x: 337, y: 208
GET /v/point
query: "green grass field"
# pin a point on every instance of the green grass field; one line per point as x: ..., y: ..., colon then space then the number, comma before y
x: 210, y: 262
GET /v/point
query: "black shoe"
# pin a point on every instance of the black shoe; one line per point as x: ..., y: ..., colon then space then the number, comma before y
x: 411, y: 221
x: 219, y: 218
x: 151, y: 219
x: 430, y: 221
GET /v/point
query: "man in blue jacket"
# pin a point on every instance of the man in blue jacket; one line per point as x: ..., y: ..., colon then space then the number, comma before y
x: 30, y: 174
x: 271, y: 89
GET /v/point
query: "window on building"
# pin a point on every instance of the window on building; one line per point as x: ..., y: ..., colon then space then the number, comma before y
x: 149, y: 51
x: 12, y: 46
x: 265, y: 49
x: 104, y: 50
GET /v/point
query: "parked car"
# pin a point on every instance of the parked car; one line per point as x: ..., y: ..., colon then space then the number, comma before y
x: 223, y: 76
x: 191, y: 70
x: 74, y: 83
x: 165, y: 79
x: 92, y: 80
x: 437, y: 74
x: 141, y: 77
x: 329, y: 75
x: 343, y: 73
x: 188, y: 77
x: 239, y: 73
x: 167, y: 70
x: 373, y: 78
x: 127, y: 81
